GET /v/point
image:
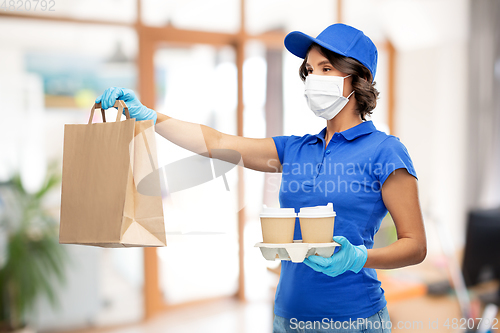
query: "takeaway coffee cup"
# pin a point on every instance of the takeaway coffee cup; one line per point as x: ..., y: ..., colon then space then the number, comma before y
x: 278, y: 224
x: 316, y: 223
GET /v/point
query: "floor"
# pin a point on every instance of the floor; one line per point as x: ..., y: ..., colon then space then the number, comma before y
x: 423, y: 314
x: 420, y: 313
x: 224, y: 316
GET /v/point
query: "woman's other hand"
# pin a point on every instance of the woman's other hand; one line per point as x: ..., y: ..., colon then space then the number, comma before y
x: 135, y: 108
x: 348, y: 258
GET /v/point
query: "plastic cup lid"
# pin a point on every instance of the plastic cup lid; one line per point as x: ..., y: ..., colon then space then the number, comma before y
x: 277, y: 212
x: 318, y: 211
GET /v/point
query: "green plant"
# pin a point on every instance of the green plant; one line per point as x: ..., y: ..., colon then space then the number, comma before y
x: 32, y: 254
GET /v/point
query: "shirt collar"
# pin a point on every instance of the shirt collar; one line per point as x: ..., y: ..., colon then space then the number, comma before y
x: 352, y: 133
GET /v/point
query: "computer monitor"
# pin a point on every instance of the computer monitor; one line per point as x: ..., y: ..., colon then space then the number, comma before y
x: 482, y: 247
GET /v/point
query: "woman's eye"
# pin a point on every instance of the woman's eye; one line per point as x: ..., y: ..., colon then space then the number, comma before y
x: 309, y: 71
x: 326, y: 69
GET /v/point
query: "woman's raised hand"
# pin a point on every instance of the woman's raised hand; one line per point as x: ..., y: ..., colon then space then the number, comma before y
x: 135, y: 108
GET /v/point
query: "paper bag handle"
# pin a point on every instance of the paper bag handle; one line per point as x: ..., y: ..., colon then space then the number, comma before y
x: 118, y: 104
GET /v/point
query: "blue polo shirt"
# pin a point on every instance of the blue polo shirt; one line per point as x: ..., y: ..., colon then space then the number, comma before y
x: 349, y: 172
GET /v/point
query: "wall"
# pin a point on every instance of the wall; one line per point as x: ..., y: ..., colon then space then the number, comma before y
x: 431, y: 105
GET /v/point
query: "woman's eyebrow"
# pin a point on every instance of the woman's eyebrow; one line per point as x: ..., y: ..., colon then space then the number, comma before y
x: 324, y: 62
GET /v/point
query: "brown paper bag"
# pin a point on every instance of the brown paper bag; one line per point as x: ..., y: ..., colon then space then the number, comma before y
x: 102, y: 165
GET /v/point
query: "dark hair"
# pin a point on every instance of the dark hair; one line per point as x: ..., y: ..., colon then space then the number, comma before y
x: 364, y: 90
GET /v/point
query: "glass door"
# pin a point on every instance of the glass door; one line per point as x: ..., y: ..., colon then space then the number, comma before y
x: 197, y: 83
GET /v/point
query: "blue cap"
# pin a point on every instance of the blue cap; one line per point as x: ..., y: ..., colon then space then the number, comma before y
x: 339, y: 38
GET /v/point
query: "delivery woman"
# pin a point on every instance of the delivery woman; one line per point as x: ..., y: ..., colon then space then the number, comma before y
x: 363, y: 171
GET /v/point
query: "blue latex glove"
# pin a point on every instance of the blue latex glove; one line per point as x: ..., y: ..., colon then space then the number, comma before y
x: 348, y: 258
x: 135, y: 108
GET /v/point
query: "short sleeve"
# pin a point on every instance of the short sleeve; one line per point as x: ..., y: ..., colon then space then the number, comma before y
x: 280, y: 142
x: 391, y: 155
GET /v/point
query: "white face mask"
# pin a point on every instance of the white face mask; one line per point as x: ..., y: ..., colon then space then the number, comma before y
x: 325, y: 95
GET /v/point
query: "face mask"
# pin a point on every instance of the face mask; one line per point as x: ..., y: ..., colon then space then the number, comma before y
x: 325, y: 95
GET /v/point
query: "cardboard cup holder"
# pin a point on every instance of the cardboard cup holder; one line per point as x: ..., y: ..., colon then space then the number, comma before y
x: 296, y: 251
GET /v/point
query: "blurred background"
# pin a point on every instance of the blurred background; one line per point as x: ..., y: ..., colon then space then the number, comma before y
x: 222, y: 63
